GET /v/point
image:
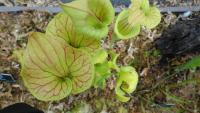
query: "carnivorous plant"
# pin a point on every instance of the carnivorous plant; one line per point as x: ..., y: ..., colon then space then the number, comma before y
x: 68, y: 58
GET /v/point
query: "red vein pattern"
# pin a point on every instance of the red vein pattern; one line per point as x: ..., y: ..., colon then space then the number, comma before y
x: 102, y: 10
x: 62, y: 26
x: 124, y: 27
x: 52, y: 70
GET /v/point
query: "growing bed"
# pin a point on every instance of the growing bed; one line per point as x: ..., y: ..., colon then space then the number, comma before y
x: 161, y: 88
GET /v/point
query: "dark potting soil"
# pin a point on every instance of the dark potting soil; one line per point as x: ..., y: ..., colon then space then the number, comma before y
x: 181, y: 38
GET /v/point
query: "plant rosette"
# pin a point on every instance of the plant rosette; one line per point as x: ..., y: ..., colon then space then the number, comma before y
x: 140, y: 13
x: 68, y: 57
x: 52, y: 69
x: 127, y: 81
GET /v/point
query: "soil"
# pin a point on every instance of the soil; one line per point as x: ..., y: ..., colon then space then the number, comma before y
x: 181, y: 38
x: 160, y: 88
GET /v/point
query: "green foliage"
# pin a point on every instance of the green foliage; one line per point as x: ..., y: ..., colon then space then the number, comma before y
x: 122, y: 110
x: 139, y: 14
x: 91, y: 17
x: 100, y: 56
x: 82, y: 107
x: 61, y: 26
x: 52, y: 70
x: 123, y: 28
x: 18, y: 54
x: 126, y: 83
x: 102, y: 72
x: 191, y: 64
x: 68, y: 58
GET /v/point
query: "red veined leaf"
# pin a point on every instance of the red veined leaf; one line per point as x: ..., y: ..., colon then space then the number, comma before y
x: 52, y: 70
